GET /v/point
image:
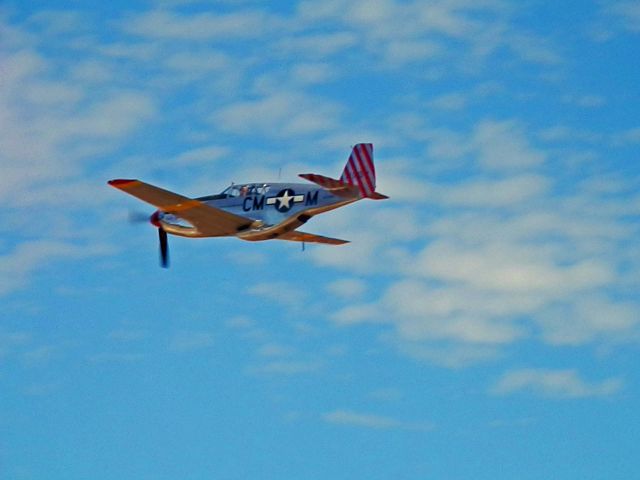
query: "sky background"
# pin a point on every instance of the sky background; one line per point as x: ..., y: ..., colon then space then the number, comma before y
x: 484, y: 322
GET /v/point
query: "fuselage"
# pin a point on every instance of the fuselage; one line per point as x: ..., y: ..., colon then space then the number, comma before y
x: 270, y: 208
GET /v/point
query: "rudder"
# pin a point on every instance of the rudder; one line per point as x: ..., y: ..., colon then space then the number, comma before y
x: 360, y: 170
x: 358, y: 177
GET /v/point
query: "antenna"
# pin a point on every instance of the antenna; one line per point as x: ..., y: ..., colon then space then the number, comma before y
x: 279, y: 173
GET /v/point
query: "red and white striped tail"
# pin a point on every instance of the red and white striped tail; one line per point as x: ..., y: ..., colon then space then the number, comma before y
x: 358, y: 177
x: 360, y: 171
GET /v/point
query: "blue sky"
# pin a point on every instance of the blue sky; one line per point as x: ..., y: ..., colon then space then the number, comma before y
x: 483, y: 323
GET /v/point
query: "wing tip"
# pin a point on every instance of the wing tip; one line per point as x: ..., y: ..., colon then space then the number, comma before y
x: 122, y: 182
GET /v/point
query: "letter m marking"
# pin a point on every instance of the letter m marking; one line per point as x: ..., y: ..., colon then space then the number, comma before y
x: 312, y: 198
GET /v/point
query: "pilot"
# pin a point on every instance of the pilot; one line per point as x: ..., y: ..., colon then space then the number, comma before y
x: 244, y: 190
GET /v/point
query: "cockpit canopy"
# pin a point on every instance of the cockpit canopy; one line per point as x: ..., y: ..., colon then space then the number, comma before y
x: 243, y: 190
x: 239, y: 190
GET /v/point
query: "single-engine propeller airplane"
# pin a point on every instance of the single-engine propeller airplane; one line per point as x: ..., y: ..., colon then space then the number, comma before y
x: 258, y: 211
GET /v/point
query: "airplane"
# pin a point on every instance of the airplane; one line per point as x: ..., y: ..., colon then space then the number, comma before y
x: 258, y: 211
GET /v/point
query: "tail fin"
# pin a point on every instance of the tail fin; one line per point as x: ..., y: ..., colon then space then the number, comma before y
x: 361, y: 172
x: 358, y: 177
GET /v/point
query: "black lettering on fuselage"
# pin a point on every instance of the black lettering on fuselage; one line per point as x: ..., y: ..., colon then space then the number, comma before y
x: 258, y: 202
x: 312, y: 198
x: 253, y: 203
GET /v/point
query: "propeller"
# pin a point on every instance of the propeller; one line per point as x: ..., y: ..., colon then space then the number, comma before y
x: 164, y: 248
x: 162, y: 237
x: 154, y: 219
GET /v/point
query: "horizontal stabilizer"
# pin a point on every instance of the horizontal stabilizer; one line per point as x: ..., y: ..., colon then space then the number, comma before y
x: 336, y: 187
x: 298, y: 236
x: 377, y: 196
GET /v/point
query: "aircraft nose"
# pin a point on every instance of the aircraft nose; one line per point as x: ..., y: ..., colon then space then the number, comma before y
x: 155, y: 219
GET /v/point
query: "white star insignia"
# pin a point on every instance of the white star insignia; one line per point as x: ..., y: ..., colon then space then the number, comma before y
x: 285, y: 200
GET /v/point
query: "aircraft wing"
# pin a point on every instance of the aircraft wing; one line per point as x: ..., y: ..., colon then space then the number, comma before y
x: 298, y: 236
x: 208, y: 220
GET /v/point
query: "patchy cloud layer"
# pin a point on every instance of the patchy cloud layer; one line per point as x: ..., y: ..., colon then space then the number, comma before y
x: 364, y: 420
x: 508, y: 246
x: 502, y: 274
x: 557, y: 384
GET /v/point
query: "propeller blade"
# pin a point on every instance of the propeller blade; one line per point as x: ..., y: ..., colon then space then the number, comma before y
x: 164, y: 248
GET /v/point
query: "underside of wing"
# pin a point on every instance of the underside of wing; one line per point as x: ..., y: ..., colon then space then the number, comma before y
x: 298, y: 236
x: 208, y: 221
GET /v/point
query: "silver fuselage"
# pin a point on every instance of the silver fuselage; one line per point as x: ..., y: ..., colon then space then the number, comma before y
x: 270, y: 208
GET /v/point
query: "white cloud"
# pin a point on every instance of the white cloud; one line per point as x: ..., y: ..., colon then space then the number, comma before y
x: 279, y: 115
x: 503, y: 145
x: 377, y: 422
x: 17, y: 266
x: 286, y: 367
x: 355, y: 256
x: 316, y: 46
x: 202, y: 62
x: 347, y: 288
x: 187, y: 341
x: 281, y: 292
x: 586, y: 101
x: 57, y: 118
x: 112, y: 118
x: 399, y: 52
x: 534, y: 49
x: 10, y: 341
x: 499, y: 147
x: 40, y: 355
x: 201, y: 155
x: 627, y: 137
x: 627, y: 11
x: 555, y: 384
x: 496, y: 193
x: 92, y: 71
x: 449, y: 101
x: 56, y: 22
x: 510, y: 268
x: 446, y: 145
x: 498, y: 272
x: 49, y: 128
x: 390, y: 394
x: 511, y: 423
x: 42, y: 389
x: 170, y: 25
x: 110, y: 357
x: 463, y: 315
x: 312, y: 73
x: 360, y: 313
x: 274, y: 350
x: 398, y: 224
x: 588, y: 319
x: 449, y: 354
x: 249, y: 258
x: 138, y: 52
x: 402, y: 186
x: 386, y: 19
x: 398, y: 32
x: 127, y: 335
x: 563, y: 133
